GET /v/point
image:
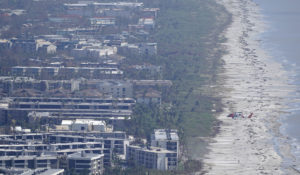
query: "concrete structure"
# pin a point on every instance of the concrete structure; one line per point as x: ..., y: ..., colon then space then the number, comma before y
x: 93, y: 52
x: 149, y: 96
x: 112, y: 109
x: 103, y: 21
x: 150, y: 12
x: 114, y: 88
x: 38, y: 171
x: 66, y: 72
x: 59, y: 143
x: 117, y: 89
x: 148, y: 23
x: 79, y: 9
x: 165, y: 138
x: 31, y: 162
x: 69, y: 104
x: 85, y: 125
x: 91, y: 164
x: 45, y: 47
x: 25, y: 45
x: 139, y: 48
x: 114, y: 12
x: 109, y: 144
x: 152, y: 158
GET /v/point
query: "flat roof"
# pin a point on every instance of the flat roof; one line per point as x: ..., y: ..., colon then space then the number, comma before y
x: 85, y: 156
x: 52, y: 172
x: 152, y: 149
x: 41, y: 171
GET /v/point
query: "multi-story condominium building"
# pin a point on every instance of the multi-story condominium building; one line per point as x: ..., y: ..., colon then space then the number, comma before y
x: 31, y: 162
x: 114, y: 88
x: 69, y: 108
x: 67, y: 73
x: 64, y: 143
x: 27, y: 171
x: 165, y: 138
x: 152, y: 157
x: 87, y: 163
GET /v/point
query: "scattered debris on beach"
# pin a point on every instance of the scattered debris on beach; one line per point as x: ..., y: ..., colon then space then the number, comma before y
x: 239, y: 115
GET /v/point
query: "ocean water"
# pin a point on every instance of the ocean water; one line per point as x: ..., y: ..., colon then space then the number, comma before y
x: 282, y: 41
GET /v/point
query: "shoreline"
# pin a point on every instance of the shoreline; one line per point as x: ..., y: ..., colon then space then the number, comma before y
x: 254, y: 83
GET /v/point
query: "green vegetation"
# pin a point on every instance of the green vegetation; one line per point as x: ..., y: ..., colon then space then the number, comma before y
x: 188, y: 40
x: 188, y: 167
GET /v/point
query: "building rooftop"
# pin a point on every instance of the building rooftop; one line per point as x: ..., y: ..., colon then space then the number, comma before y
x: 90, y: 122
x: 43, y: 172
x: 27, y: 157
x: 84, y: 156
x: 165, y: 134
x: 52, y: 172
x: 66, y: 122
x: 151, y: 149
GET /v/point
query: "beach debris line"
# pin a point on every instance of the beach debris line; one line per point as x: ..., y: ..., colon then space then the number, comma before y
x: 235, y: 115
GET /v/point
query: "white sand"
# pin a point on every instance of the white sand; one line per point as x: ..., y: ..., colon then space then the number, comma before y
x: 251, y: 82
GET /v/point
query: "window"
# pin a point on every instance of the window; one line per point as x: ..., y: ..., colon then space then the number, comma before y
x: 83, y: 166
x: 83, y: 161
x: 19, y: 161
x: 42, y: 165
x: 41, y: 161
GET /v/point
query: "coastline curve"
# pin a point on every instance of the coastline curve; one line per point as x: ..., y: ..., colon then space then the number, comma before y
x: 251, y: 82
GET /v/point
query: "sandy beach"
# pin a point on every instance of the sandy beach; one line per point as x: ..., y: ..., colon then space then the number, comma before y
x: 250, y: 82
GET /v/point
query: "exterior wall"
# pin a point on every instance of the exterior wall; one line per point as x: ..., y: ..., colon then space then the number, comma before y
x: 66, y: 72
x: 100, y: 128
x: 80, y: 127
x: 152, y: 159
x: 167, y: 143
x: 31, y: 162
x: 148, y: 100
x: 102, y: 21
x: 94, y: 165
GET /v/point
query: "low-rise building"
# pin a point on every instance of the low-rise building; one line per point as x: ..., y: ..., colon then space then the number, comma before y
x: 79, y: 9
x: 103, y: 21
x: 117, y: 89
x: 85, y: 125
x: 148, y: 23
x: 93, y: 52
x: 149, y: 96
x: 138, y: 48
x: 45, y: 47
x: 150, y: 12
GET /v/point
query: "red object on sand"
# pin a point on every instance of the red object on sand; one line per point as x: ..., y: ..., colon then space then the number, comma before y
x: 231, y: 115
x: 250, y: 115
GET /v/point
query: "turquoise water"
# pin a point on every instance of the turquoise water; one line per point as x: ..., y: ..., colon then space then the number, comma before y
x: 282, y: 42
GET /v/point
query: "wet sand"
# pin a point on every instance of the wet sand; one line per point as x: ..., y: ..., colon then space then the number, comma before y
x: 250, y: 82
